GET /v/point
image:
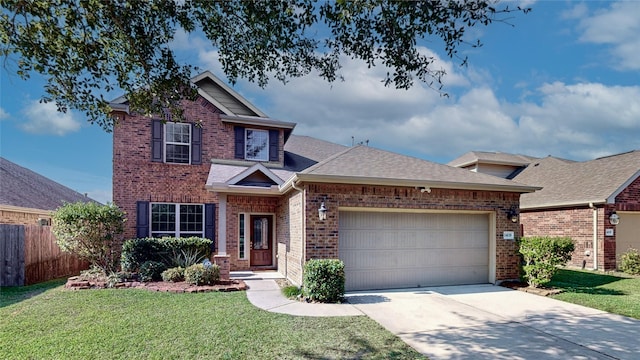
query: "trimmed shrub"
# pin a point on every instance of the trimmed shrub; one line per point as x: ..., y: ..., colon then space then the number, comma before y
x: 175, y: 274
x: 542, y: 256
x: 171, y: 251
x: 199, y: 274
x: 151, y: 271
x: 324, y: 280
x: 91, y: 231
x: 630, y: 262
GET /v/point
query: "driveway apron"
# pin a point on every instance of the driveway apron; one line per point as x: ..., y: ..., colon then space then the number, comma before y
x: 491, y: 322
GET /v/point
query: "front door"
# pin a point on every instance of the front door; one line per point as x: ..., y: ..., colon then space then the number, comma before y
x: 261, y: 240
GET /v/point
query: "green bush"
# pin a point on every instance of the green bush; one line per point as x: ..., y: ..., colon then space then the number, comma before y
x: 90, y: 231
x: 291, y: 291
x: 324, y: 280
x: 199, y: 274
x: 151, y: 271
x: 175, y: 274
x: 630, y: 262
x: 171, y: 251
x: 542, y: 256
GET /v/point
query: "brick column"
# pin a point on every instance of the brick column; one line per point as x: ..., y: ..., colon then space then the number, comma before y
x: 225, y: 266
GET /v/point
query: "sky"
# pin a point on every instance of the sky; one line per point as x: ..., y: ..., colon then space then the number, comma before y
x: 562, y: 80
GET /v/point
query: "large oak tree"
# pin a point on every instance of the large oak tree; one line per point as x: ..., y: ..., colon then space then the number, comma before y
x: 86, y: 48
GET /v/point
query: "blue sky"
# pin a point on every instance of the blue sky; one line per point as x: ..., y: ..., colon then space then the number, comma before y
x: 564, y: 80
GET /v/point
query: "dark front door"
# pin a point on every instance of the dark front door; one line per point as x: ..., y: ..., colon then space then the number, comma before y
x: 261, y: 240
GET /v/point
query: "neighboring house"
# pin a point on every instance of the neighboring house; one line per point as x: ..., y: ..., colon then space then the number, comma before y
x: 577, y: 200
x: 28, y: 198
x: 273, y: 200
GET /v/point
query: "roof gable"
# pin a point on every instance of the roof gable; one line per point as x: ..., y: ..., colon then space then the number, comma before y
x: 258, y: 175
x: 22, y: 187
x: 567, y: 183
x: 224, y: 97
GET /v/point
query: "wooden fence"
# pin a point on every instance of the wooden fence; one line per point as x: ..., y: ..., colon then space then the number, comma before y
x: 29, y: 254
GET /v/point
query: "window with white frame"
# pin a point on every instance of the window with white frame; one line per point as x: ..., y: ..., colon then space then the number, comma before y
x: 242, y: 237
x: 177, y: 142
x: 256, y: 145
x: 177, y: 220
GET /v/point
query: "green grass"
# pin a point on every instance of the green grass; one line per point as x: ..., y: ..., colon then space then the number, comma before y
x: 614, y: 294
x: 48, y: 322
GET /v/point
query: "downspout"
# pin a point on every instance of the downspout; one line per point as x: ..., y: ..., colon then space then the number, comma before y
x: 304, y: 226
x: 595, y: 236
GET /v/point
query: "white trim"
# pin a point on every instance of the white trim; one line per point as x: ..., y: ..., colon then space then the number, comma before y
x: 246, y: 230
x: 215, y: 102
x: 274, y: 244
x: 165, y: 142
x: 222, y: 224
x: 208, y: 74
x: 249, y: 171
x: 612, y: 198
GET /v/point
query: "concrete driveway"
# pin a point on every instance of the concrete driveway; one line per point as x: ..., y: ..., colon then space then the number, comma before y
x: 491, y: 322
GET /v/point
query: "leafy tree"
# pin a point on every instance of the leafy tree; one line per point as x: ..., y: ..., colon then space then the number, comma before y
x: 91, y: 231
x: 85, y: 48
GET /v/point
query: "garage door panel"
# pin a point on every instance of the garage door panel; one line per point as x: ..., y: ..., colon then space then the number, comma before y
x: 387, y: 250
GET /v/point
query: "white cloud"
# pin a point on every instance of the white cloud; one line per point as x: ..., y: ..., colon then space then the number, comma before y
x: 618, y: 27
x: 101, y: 195
x: 3, y: 114
x: 44, y: 118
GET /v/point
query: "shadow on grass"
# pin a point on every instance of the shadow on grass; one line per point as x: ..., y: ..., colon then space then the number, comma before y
x: 14, y: 294
x: 584, y: 282
x: 361, y: 348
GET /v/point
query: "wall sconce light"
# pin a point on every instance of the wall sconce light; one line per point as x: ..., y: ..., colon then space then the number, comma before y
x: 512, y: 214
x: 614, y: 219
x: 424, y: 189
x: 322, y: 212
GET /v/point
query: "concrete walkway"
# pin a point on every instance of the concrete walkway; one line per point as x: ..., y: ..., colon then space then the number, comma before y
x: 473, y: 321
x: 263, y: 292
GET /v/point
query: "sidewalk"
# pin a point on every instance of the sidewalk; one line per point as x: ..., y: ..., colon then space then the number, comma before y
x: 264, y: 292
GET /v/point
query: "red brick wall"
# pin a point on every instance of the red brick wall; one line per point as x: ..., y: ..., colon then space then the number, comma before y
x: 323, y: 237
x: 574, y: 223
x: 629, y: 198
x: 137, y: 178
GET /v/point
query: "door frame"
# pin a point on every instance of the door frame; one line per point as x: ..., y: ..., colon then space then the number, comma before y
x: 273, y: 237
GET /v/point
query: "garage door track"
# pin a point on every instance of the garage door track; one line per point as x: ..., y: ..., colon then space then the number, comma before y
x: 491, y: 322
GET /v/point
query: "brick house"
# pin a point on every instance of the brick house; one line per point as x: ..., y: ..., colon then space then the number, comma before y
x: 577, y: 200
x: 28, y: 198
x: 273, y: 200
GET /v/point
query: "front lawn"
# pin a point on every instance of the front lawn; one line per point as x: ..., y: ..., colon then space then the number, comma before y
x: 47, y: 322
x: 614, y: 294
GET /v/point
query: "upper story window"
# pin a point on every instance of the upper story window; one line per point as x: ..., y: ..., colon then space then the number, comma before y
x: 177, y: 143
x: 256, y: 145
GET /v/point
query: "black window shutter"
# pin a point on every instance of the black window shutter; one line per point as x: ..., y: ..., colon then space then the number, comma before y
x: 142, y: 219
x: 196, y: 144
x: 239, y: 142
x: 156, y: 140
x: 274, y: 142
x: 210, y: 224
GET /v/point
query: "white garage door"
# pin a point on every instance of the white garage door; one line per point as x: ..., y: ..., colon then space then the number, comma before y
x: 399, y: 250
x: 628, y: 232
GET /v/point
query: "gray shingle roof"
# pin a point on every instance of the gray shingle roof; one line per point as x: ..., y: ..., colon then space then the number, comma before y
x: 373, y: 165
x: 577, y: 183
x: 486, y: 157
x: 22, y: 187
x: 301, y: 152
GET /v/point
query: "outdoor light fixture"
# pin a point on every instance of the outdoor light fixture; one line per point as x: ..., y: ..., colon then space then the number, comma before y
x: 322, y: 212
x: 614, y: 219
x: 512, y: 214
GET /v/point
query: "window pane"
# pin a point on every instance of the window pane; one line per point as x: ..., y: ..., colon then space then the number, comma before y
x: 163, y: 217
x: 177, y: 154
x: 178, y: 133
x: 257, y: 145
x: 241, y: 240
x: 191, y: 219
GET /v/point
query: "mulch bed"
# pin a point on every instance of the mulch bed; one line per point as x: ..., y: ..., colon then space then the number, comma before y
x: 77, y: 283
x: 521, y: 286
